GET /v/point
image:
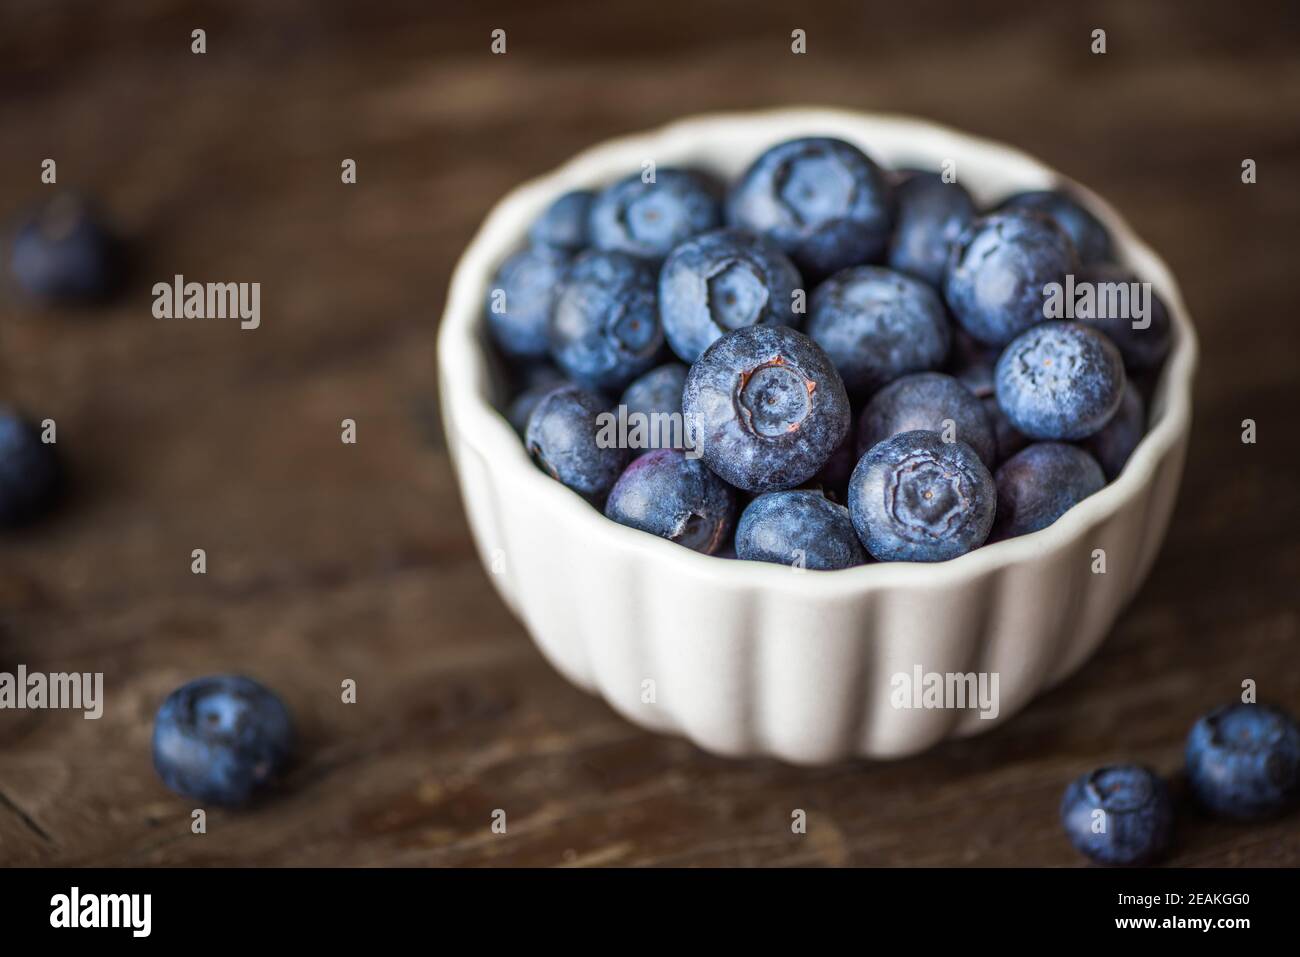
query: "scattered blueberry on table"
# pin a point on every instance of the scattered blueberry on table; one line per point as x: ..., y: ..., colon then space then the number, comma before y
x: 1243, y: 761
x: 1119, y: 815
x: 845, y: 348
x: 31, y: 475
x: 67, y: 254
x: 222, y: 739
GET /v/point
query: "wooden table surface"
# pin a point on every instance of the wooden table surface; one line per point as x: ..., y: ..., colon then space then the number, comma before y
x: 328, y: 561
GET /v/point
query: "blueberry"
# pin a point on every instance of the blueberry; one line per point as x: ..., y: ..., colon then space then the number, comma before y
x: 563, y: 224
x: 221, y: 739
x: 666, y: 493
x: 798, y: 528
x: 1143, y: 349
x: 31, y: 475
x: 604, y: 329
x: 1118, y: 815
x: 724, y: 280
x: 1085, y: 230
x: 564, y: 439
x: 877, y: 325
x: 649, y: 219
x: 1243, y: 761
x: 931, y: 215
x: 659, y: 390
x: 932, y: 401
x: 66, y: 253
x: 824, y: 202
x: 1060, y: 380
x: 917, y: 498
x: 768, y: 406
x: 998, y: 270
x: 1113, y: 445
x: 521, y: 298
x: 1040, y: 483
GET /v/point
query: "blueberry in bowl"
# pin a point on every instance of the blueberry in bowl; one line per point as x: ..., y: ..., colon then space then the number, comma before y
x: 563, y: 439
x: 666, y: 493
x: 748, y: 657
x: 822, y: 200
x: 724, y: 280
x: 931, y: 401
x: 932, y: 213
x: 916, y: 498
x: 878, y: 325
x: 1042, y: 482
x: 799, y: 528
x: 603, y: 326
x: 998, y: 270
x: 1060, y: 380
x: 1088, y: 234
x: 647, y: 218
x: 768, y: 406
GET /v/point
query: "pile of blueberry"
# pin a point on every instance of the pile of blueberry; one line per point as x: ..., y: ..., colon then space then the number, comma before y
x: 861, y: 360
x: 1243, y: 764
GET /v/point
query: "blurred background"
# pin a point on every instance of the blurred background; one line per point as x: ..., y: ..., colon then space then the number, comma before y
x: 328, y: 561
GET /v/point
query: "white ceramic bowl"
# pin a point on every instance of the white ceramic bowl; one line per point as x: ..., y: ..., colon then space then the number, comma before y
x: 747, y: 658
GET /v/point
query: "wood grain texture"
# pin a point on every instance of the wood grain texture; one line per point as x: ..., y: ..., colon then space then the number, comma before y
x: 329, y: 561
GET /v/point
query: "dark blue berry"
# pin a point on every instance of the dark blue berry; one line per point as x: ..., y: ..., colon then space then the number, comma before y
x: 649, y: 219
x: 564, y: 439
x: 1085, y: 230
x: 604, y: 328
x: 1118, y: 815
x: 877, y: 325
x: 1040, y: 483
x: 657, y: 391
x: 221, y: 739
x: 1113, y: 445
x: 66, y: 253
x: 998, y: 270
x: 799, y: 528
x: 1060, y: 380
x: 1143, y: 349
x: 824, y: 202
x: 928, y: 400
x: 31, y: 475
x: 768, y: 407
x: 931, y: 215
x: 917, y: 498
x: 563, y: 224
x: 521, y: 298
x: 1007, y: 439
x: 667, y: 493
x: 724, y: 280
x: 1243, y: 761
